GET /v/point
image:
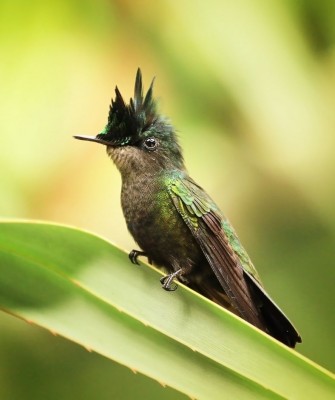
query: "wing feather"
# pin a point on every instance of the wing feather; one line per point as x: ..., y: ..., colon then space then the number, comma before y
x: 205, y: 222
x: 229, y: 261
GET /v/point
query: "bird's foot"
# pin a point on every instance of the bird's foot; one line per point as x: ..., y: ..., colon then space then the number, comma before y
x: 134, y: 254
x: 166, y: 281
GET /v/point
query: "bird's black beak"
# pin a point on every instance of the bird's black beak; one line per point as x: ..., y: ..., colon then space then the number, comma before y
x: 92, y: 139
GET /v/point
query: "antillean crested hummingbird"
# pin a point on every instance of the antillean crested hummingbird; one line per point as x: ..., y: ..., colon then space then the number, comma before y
x: 175, y: 222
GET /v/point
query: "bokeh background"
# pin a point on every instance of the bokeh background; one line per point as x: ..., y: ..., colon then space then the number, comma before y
x: 249, y: 85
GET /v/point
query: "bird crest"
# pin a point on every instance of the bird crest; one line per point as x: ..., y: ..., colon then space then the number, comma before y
x: 127, y: 121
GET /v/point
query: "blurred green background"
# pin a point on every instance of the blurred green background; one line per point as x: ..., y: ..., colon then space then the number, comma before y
x: 249, y: 86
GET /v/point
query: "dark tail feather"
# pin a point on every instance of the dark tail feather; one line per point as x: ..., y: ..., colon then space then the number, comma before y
x: 277, y: 324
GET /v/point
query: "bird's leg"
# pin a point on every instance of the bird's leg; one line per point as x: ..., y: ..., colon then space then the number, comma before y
x: 179, y: 272
x: 134, y: 254
x: 167, y: 280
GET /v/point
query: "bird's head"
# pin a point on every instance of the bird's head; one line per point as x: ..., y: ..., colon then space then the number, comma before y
x: 137, y: 137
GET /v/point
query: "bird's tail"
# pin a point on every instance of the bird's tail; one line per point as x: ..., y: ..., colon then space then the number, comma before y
x: 276, y: 322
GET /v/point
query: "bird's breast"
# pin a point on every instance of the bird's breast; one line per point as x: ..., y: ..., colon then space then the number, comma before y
x: 155, y: 223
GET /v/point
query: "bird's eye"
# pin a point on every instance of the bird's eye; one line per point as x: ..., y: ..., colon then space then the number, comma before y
x: 150, y: 143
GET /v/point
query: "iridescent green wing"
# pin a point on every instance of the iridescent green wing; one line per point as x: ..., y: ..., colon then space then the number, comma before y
x: 218, y: 242
x: 228, y: 259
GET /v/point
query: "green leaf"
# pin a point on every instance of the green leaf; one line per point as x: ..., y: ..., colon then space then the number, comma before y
x: 80, y: 286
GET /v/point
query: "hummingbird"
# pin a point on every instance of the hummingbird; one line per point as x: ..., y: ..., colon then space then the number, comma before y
x: 177, y: 225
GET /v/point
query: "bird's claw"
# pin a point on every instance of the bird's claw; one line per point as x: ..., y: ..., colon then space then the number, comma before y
x: 167, y: 283
x: 134, y: 254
